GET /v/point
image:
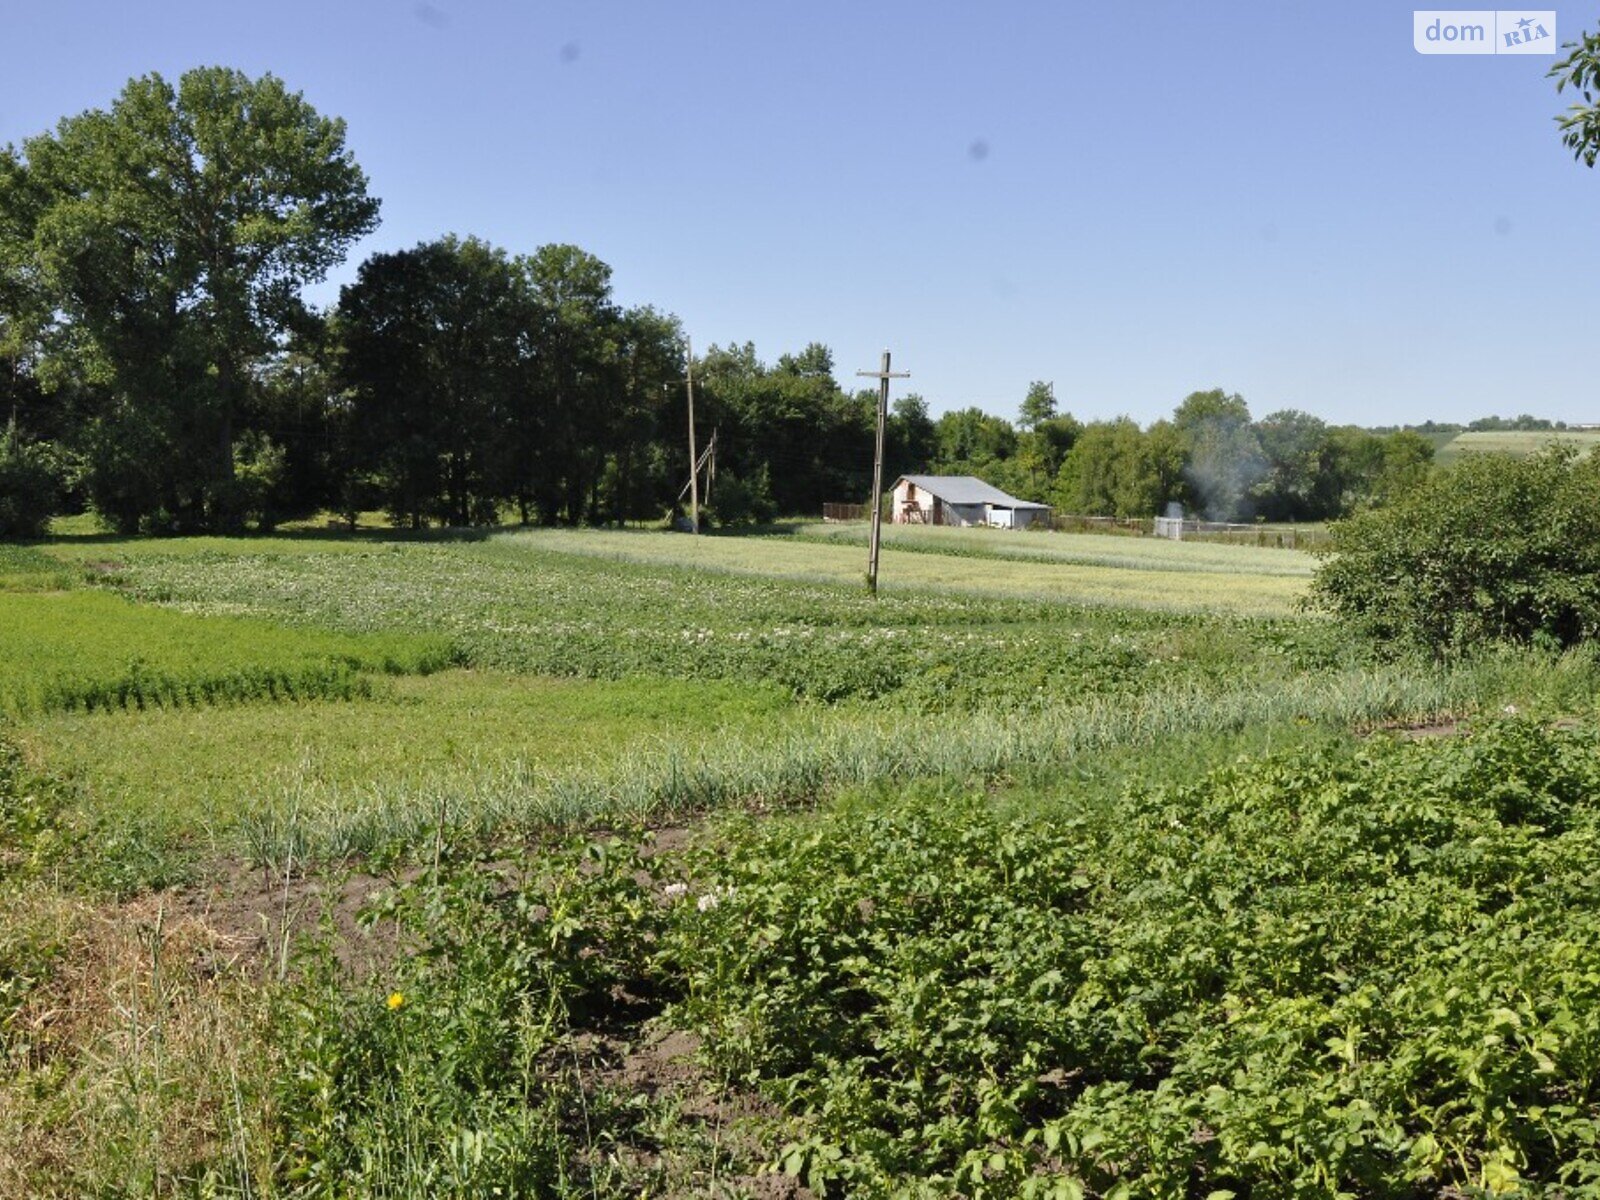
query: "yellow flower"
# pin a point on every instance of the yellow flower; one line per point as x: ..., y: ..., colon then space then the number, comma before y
x: 396, y: 999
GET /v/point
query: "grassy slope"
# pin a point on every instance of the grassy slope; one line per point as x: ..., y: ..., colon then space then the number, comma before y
x: 1512, y: 441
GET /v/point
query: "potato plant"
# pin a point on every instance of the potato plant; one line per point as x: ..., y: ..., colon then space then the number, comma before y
x: 1322, y: 973
x: 1316, y: 975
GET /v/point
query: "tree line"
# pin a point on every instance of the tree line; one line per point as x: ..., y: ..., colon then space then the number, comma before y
x: 160, y: 365
x: 1210, y: 458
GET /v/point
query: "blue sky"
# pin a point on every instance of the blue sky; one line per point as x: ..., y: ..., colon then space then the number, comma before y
x: 1132, y: 200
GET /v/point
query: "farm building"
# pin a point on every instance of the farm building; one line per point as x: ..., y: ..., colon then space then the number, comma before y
x: 961, y: 500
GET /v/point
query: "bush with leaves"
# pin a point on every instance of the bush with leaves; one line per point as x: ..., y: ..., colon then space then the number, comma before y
x: 745, y: 501
x: 1497, y: 548
x: 29, y: 492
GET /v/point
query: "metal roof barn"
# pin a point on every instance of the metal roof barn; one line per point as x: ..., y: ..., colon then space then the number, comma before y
x: 961, y: 500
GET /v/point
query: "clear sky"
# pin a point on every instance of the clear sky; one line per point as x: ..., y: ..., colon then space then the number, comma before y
x: 1131, y: 200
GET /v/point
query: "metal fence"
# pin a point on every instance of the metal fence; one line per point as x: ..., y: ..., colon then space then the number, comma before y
x: 1286, y: 537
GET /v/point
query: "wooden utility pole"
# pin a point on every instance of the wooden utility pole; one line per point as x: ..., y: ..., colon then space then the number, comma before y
x: 883, y: 376
x: 694, y: 459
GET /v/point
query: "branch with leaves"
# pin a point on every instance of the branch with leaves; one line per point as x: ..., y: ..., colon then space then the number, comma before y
x: 1580, y: 70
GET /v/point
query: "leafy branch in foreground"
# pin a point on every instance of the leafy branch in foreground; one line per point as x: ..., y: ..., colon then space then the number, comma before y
x: 1580, y: 70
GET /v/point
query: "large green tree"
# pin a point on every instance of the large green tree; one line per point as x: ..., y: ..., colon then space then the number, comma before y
x: 157, y: 250
x: 912, y: 438
x: 972, y: 436
x: 573, y: 405
x: 1300, y: 480
x: 1116, y: 470
x: 433, y: 357
x: 641, y: 474
x: 1038, y: 406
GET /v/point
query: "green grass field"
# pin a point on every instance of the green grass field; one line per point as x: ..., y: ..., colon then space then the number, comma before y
x: 1073, y: 568
x: 205, y: 768
x: 1513, y: 441
x: 642, y: 673
x: 1253, y: 563
x: 89, y: 650
x: 1005, y: 882
x: 600, y: 664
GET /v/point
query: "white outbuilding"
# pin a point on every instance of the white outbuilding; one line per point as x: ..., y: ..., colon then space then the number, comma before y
x: 961, y: 500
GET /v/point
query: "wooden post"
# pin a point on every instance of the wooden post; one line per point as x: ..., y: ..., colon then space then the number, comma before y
x: 694, y: 459
x: 883, y: 377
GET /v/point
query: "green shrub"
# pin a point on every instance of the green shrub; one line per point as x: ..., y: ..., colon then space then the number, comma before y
x: 1496, y: 548
x: 29, y: 491
x: 744, y: 501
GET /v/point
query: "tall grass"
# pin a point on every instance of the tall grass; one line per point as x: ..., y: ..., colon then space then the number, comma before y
x: 182, y: 768
x: 133, y: 1068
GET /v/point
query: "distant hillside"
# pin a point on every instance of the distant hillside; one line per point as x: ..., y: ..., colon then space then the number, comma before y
x: 1450, y: 447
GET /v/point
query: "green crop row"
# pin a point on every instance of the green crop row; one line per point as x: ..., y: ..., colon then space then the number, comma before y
x: 812, y: 755
x: 88, y: 650
x: 28, y: 569
x: 512, y: 604
x: 1074, y: 549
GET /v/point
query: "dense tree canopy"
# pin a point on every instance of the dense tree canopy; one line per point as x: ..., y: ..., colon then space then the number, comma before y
x: 156, y: 251
x: 788, y: 431
x: 431, y: 341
